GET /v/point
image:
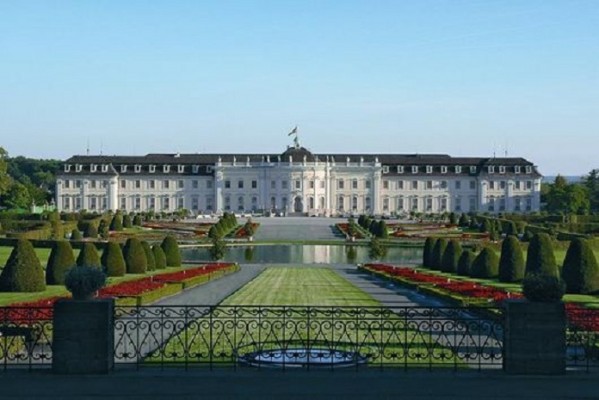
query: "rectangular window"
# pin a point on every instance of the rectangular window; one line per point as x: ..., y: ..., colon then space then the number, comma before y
x: 414, y: 185
x: 458, y: 204
x: 385, y: 169
x: 492, y: 185
x: 298, y: 184
x: 443, y: 204
x: 123, y: 203
x: 491, y: 169
x: 472, y: 185
x: 311, y: 184
x: 67, y: 184
x: 180, y: 184
x: 284, y: 185
x: 227, y: 184
x: 104, y: 203
x: 92, y: 184
x: 137, y: 203
x: 92, y: 203
x: 528, y: 204
x: 239, y: 184
x: 517, y: 169
x: 209, y: 204
x: 180, y: 203
x: 529, y: 185
x: 137, y: 168
x: 123, y: 184
x: 400, y: 203
x: 502, y: 184
x: 386, y: 204
x: 429, y: 204
x: 151, y: 203
x: 354, y: 184
x: 104, y: 184
x: 502, y: 204
x: 458, y: 169
x: 517, y: 185
x: 151, y: 184
x: 208, y: 184
x: 443, y: 169
x: 414, y: 204
x: 254, y: 184
x: 165, y: 184
x: 429, y: 169
x: 78, y: 184
x: 166, y: 203
x: 400, y: 185
x: 472, y: 204
x: 194, y: 184
x: 473, y: 170
x: 443, y: 184
x: 273, y: 185
x: 501, y: 169
x: 322, y: 184
x: 367, y: 183
x: 414, y: 170
x: 137, y: 184
x: 385, y: 184
x: 429, y: 185
x: 458, y: 185
x: 194, y: 203
x: 400, y: 169
x: 340, y: 184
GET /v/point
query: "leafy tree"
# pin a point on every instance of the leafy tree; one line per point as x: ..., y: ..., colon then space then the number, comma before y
x: 511, y: 262
x: 580, y: 270
x: 591, y: 182
x: 451, y: 256
x: 23, y: 271
x: 485, y: 265
x: 61, y: 259
x: 567, y: 198
x: 18, y: 196
x: 88, y: 256
x: 540, y: 259
x: 376, y: 249
x: 427, y: 253
x: 135, y: 257
x: 465, y: 262
x: 438, y: 251
x: 159, y: 257
x: 149, y: 256
x: 218, y: 249
x: 113, y: 260
x: 5, y: 181
x: 171, y: 251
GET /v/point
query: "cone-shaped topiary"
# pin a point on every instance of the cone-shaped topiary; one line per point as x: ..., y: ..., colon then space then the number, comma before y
x: 103, y: 229
x: 76, y: 234
x: 135, y: 257
x: 23, y: 271
x: 117, y: 222
x: 113, y: 260
x: 89, y: 257
x: 580, y: 270
x: 451, y: 256
x: 485, y: 265
x: 127, y: 221
x: 464, y: 221
x: 427, y: 252
x: 60, y: 261
x: 540, y: 259
x: 511, y: 262
x: 382, y: 231
x: 159, y: 257
x: 438, y: 251
x: 465, y: 262
x: 171, y: 251
x: 149, y: 256
x: 137, y: 220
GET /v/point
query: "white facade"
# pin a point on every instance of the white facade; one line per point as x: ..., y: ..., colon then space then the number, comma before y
x: 299, y: 182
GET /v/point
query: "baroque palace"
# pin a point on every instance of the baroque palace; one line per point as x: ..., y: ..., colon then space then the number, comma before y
x: 299, y: 182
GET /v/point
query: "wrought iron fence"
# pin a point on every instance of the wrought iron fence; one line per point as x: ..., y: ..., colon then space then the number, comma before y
x: 309, y: 337
x: 25, y: 337
x: 582, y: 342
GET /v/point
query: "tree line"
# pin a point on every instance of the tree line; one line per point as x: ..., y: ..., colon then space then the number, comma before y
x: 572, y: 198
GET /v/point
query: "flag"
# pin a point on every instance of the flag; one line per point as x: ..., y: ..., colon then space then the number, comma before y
x: 293, y: 131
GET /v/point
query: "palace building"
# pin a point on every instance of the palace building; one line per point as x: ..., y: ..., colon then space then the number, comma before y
x: 299, y: 182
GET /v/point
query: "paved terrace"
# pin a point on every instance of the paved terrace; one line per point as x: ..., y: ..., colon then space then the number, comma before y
x: 296, y: 228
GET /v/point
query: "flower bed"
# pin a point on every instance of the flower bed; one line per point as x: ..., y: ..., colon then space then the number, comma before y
x: 241, y: 232
x: 344, y: 229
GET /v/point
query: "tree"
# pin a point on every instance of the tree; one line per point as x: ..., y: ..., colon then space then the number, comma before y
x: 149, y: 256
x: 580, y: 270
x: 562, y: 197
x: 511, y: 262
x: 88, y: 256
x: 218, y: 249
x: 23, y: 271
x: 159, y: 257
x: 438, y: 251
x: 17, y: 196
x: 376, y: 249
x: 427, y: 252
x: 135, y: 257
x: 60, y: 260
x: 113, y: 260
x: 451, y: 256
x: 5, y: 181
x: 540, y: 259
x: 465, y: 262
x: 453, y: 219
x: 171, y: 251
x: 485, y: 265
x: 591, y: 182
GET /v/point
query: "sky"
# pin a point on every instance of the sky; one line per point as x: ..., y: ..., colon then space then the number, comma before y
x: 465, y: 78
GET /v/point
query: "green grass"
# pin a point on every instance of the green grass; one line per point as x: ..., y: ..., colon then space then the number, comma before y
x: 228, y: 331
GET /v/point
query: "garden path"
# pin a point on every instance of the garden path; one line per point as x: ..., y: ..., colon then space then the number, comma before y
x: 296, y: 228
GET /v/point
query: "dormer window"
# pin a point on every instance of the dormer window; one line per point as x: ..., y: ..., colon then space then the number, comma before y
x: 491, y: 169
x: 166, y: 168
x: 181, y: 168
x: 528, y: 169
x: 400, y: 169
x: 78, y: 167
x: 517, y: 169
x: 209, y: 169
x: 385, y: 169
x: 501, y: 169
x: 414, y: 169
x: 67, y: 168
x: 104, y: 168
x: 195, y: 169
x: 138, y: 168
x: 473, y: 170
x: 93, y: 168
x: 123, y: 168
x: 152, y: 168
x: 429, y: 169
x: 458, y: 169
x: 443, y: 169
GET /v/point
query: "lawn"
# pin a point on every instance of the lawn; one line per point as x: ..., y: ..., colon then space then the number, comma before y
x: 42, y: 253
x: 299, y: 308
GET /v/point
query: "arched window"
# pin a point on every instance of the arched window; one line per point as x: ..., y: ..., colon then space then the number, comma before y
x: 311, y: 203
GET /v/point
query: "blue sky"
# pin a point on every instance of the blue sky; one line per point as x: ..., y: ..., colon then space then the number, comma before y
x: 465, y: 78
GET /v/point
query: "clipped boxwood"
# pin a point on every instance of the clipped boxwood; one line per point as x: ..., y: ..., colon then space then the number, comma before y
x: 149, y: 256
x: 76, y: 234
x: 485, y: 265
x: 113, y: 260
x: 511, y: 263
x: 135, y: 257
x: 159, y: 257
x: 88, y: 256
x: 171, y: 251
x: 438, y: 251
x: 60, y: 261
x: 451, y: 256
x: 541, y: 259
x: 465, y: 262
x: 427, y: 252
x: 23, y: 271
x: 117, y: 222
x: 580, y: 271
x: 543, y: 288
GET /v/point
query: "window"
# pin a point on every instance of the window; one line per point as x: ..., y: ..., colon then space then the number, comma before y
x: 386, y: 204
x: 414, y: 185
x: 123, y: 184
x: 429, y: 169
x: 354, y: 184
x: 400, y: 185
x: 458, y: 169
x: 273, y: 185
x: 166, y: 184
x: 385, y: 184
x: 311, y: 184
x: 502, y: 204
x: 458, y: 185
x: 322, y: 201
x: 501, y: 169
x: 152, y: 203
x: 152, y: 168
x: 254, y: 203
x: 78, y: 203
x: 367, y: 184
x: 529, y: 185
x: 340, y: 184
x: 227, y: 203
x: 92, y: 184
x: 166, y: 203
x: 354, y: 203
x: 414, y: 169
x: 367, y: 203
x: 104, y: 203
x: 322, y: 184
x: 123, y: 203
x: 517, y: 205
x: 472, y: 204
x: 400, y: 169
x: 502, y: 184
x: 208, y: 184
x: 67, y: 184
x: 298, y: 184
x: 399, y: 202
x: 443, y: 184
x: 491, y: 206
x: 517, y: 185
x: 528, y: 169
x: 195, y: 169
x: 414, y: 204
x: 180, y: 168
x: 240, y: 206
x: 443, y: 169
x: 67, y: 168
x: 137, y: 168
x: 491, y: 169
x: 66, y: 203
x: 473, y: 170
x: 123, y: 168
x: 138, y: 203
x: 385, y: 169
x: 284, y: 184
x: 254, y: 184
x: 166, y: 168
x: 78, y: 167
x: 194, y: 184
x: 429, y: 185
x: 284, y: 202
x: 137, y: 184
x: 78, y: 183
x: 92, y: 203
x: 340, y: 203
x: 195, y: 203
x: 209, y: 203
x: 443, y: 203
x: 180, y: 203
x: 458, y: 204
x: 239, y: 184
x: 492, y: 185
x: 180, y: 184
x: 472, y: 185
x: 227, y: 184
x: 429, y: 204
x: 104, y: 184
x: 93, y: 168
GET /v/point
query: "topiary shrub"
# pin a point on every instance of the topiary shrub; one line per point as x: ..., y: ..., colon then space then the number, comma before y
x: 427, y: 252
x: 159, y: 257
x: 464, y: 221
x: 127, y: 221
x: 382, y: 231
x: 218, y: 249
x: 60, y: 261
x: 84, y: 281
x: 103, y: 229
x: 135, y: 257
x: 485, y: 265
x: 580, y: 271
x: 171, y: 251
x: 137, y: 220
x: 149, y: 256
x: 511, y: 262
x: 76, y: 234
x: 465, y: 262
x: 540, y: 259
x: 543, y: 288
x: 117, y: 222
x: 88, y: 256
x: 438, y: 251
x: 23, y: 271
x: 113, y: 260
x: 451, y: 256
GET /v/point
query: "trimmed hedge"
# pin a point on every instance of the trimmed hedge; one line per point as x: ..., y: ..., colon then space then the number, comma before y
x: 113, y: 260
x: 438, y: 251
x: 89, y: 257
x: 61, y: 259
x: 117, y: 222
x: 465, y: 262
x: 171, y: 251
x: 149, y: 256
x: 580, y: 271
x: 427, y: 253
x: 135, y: 257
x: 540, y: 258
x: 23, y: 271
x: 451, y: 256
x: 485, y: 265
x: 511, y: 263
x: 159, y: 257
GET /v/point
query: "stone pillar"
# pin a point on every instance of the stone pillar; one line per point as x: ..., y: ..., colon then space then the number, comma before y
x: 535, y: 338
x: 83, y: 341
